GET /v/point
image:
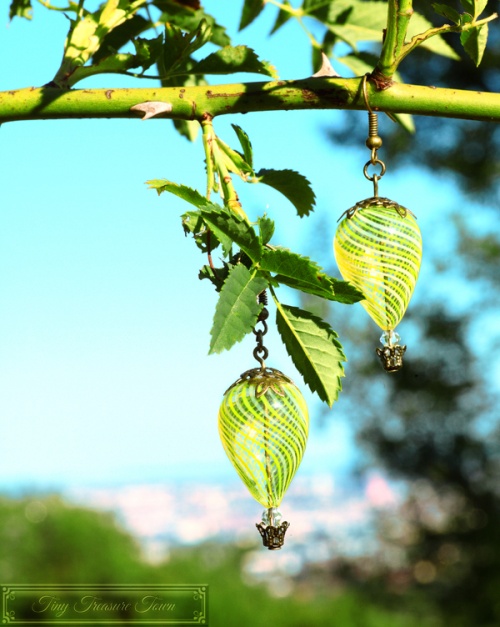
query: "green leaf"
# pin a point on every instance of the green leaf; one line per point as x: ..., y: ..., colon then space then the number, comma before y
x: 245, y: 143
x: 21, y: 8
x: 216, y: 276
x: 147, y: 51
x: 358, y: 21
x: 187, y: 128
x: 120, y: 36
x: 474, y: 7
x: 405, y: 120
x: 234, y: 161
x: 179, y: 46
x: 479, y: 7
x: 314, y: 348
x: 87, y: 34
x: 182, y: 191
x: 266, y: 229
x: 187, y: 18
x: 360, y: 63
x: 308, y: 6
x: 225, y: 240
x: 293, y: 186
x: 283, y: 17
x: 207, y: 241
x: 237, y: 309
x: 474, y: 42
x: 448, y: 12
x: 193, y: 222
x: 468, y: 5
x: 234, y: 227
x: 113, y: 64
x: 251, y: 10
x: 418, y: 25
x: 345, y: 292
x: 231, y: 59
x: 303, y: 274
x: 327, y: 11
x: 466, y: 18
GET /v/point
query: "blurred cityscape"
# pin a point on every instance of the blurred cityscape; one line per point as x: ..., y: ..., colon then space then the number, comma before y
x: 326, y: 521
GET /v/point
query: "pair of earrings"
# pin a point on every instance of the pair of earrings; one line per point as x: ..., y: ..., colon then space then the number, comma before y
x: 263, y: 418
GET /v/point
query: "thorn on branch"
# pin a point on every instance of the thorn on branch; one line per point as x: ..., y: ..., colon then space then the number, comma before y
x: 326, y: 68
x: 152, y: 108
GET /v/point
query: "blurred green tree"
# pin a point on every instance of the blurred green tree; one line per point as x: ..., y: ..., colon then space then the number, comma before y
x: 47, y: 540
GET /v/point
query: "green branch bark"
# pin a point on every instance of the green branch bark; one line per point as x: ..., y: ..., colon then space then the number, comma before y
x: 398, y: 19
x: 194, y: 103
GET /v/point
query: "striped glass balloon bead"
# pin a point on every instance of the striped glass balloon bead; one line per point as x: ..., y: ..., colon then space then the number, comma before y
x: 378, y: 248
x: 263, y: 426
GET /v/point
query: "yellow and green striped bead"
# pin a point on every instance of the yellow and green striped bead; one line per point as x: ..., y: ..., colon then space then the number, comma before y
x: 263, y: 426
x: 378, y: 248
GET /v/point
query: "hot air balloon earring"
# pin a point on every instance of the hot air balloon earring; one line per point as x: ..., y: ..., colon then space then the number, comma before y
x: 263, y: 426
x: 378, y: 248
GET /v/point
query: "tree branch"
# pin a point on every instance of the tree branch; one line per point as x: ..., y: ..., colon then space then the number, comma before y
x: 193, y: 103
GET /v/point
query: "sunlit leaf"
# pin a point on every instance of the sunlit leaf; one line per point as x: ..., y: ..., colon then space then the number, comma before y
x: 179, y: 45
x: 245, y: 143
x: 448, y: 12
x: 216, y: 276
x: 266, y: 229
x: 21, y: 8
x: 120, y: 36
x: 147, y: 51
x: 231, y: 59
x: 474, y: 42
x: 361, y: 21
x: 235, y: 162
x: 314, y: 348
x: 474, y: 7
x: 329, y: 12
x: 187, y: 18
x: 194, y: 225
x: 182, y: 191
x: 86, y: 36
x: 479, y: 7
x: 237, y: 309
x: 292, y: 185
x: 236, y: 228
x: 303, y: 274
x: 359, y: 64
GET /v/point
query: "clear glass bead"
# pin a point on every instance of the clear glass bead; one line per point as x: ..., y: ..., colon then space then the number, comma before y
x: 390, y: 338
x: 272, y: 513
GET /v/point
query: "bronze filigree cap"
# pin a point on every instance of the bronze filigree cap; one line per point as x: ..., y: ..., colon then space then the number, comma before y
x: 272, y: 529
x: 391, y: 357
x: 273, y: 537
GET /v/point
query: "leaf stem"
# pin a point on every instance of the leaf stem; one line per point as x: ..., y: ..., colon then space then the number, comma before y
x: 207, y: 134
x: 398, y: 19
x: 216, y: 163
x: 395, y: 48
x: 442, y: 30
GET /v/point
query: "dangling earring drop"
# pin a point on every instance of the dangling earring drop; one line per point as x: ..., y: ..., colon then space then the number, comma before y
x: 378, y: 248
x: 263, y: 426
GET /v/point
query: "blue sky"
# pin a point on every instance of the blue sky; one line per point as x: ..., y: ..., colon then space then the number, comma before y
x: 104, y: 325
